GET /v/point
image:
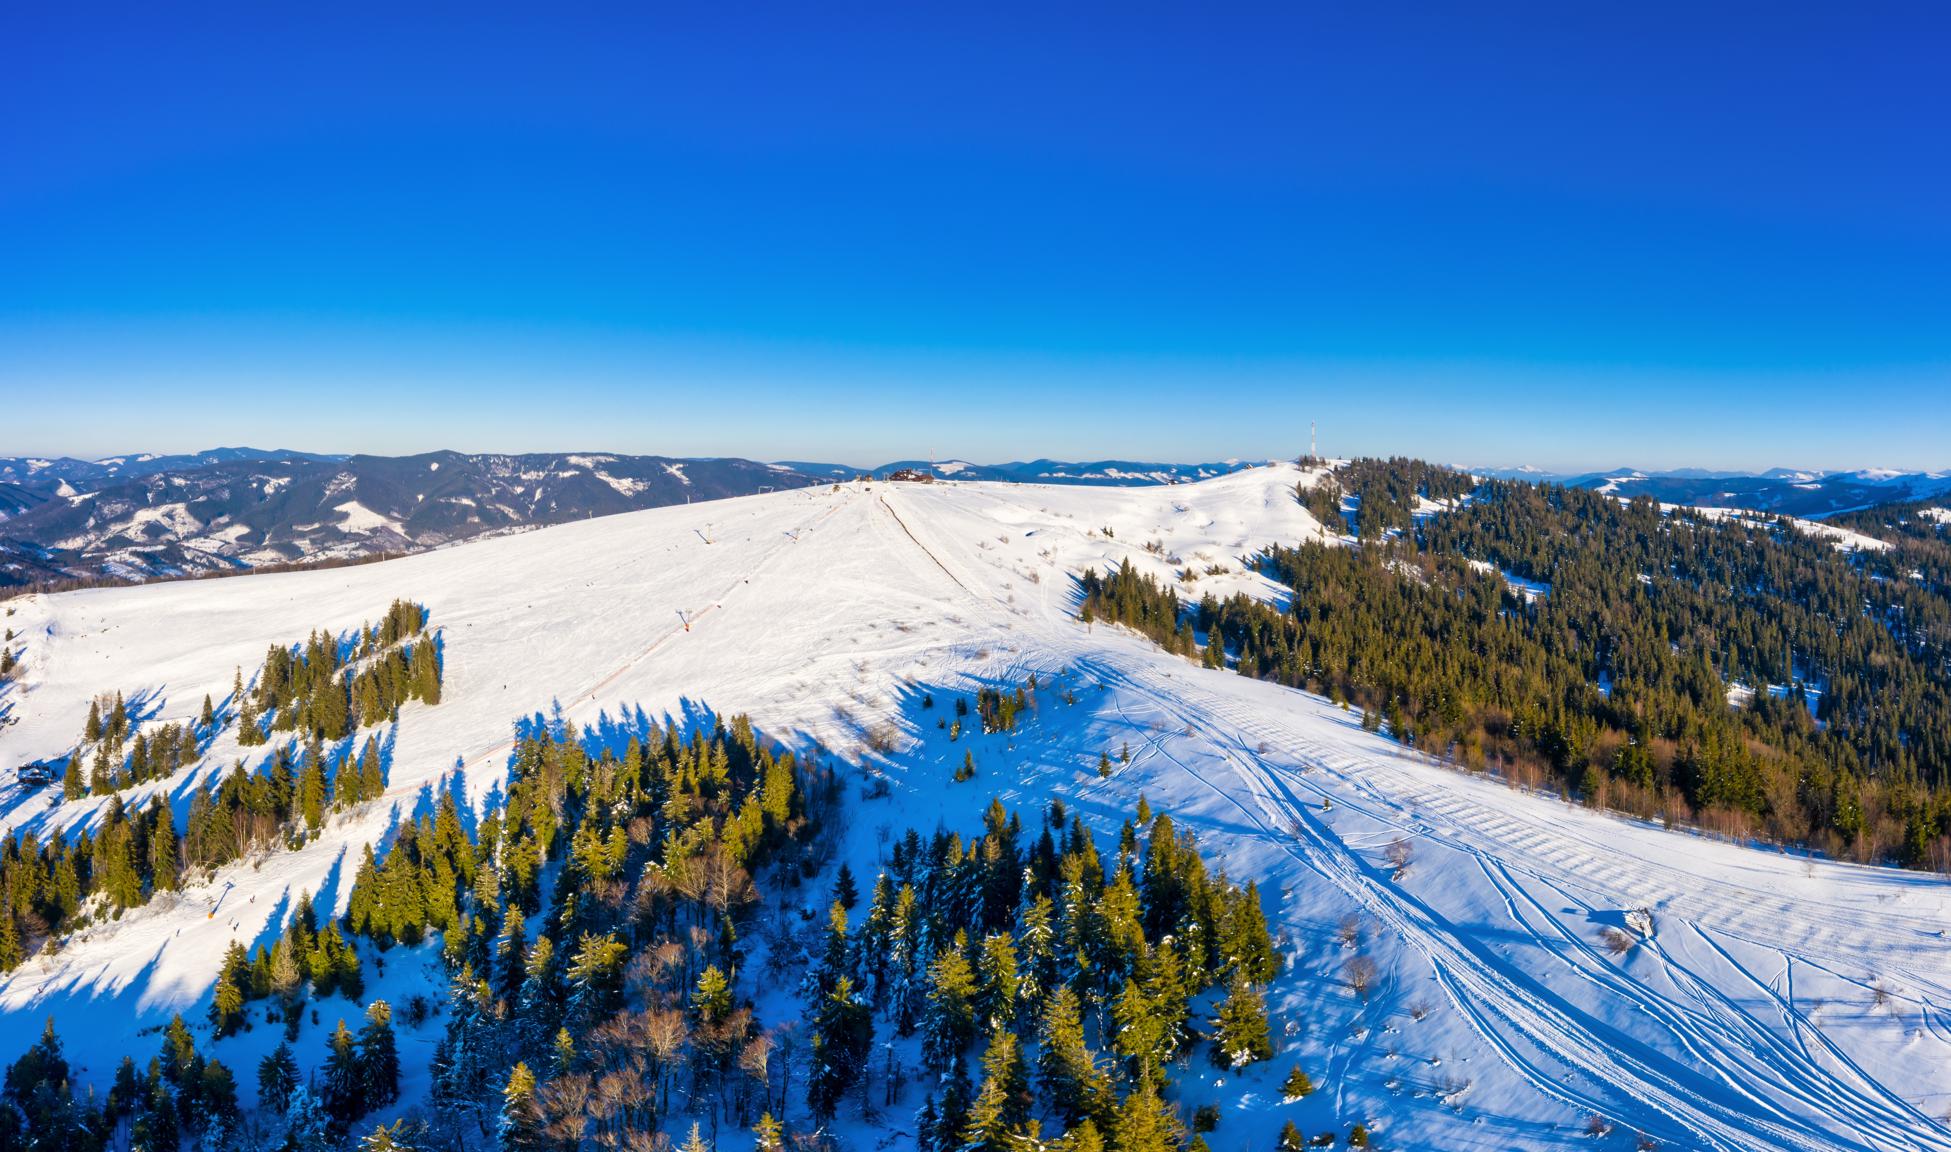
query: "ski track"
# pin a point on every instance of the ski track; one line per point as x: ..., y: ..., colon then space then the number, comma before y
x: 1736, y: 1053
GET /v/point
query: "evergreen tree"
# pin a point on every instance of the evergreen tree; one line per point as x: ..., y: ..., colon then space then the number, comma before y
x: 1067, y: 1071
x: 10, y: 950
x: 1001, y: 1106
x: 340, y: 1091
x: 387, y: 1138
x: 843, y: 1038
x: 277, y: 1077
x: 1240, y: 1032
x: 165, y: 866
x: 379, y: 1058
x: 1145, y: 1122
x: 522, y: 1126
x: 227, y: 1004
x: 307, y: 1123
x: 1083, y: 1138
x: 996, y: 990
x: 1297, y: 1085
x: 950, y: 1020
x: 845, y: 893
x: 311, y: 788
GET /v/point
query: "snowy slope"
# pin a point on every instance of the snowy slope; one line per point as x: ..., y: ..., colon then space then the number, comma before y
x: 1748, y: 1020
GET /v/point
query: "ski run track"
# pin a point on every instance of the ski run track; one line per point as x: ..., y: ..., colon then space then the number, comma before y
x: 1779, y: 1002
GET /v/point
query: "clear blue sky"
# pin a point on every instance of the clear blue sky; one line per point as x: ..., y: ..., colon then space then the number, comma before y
x: 1560, y: 233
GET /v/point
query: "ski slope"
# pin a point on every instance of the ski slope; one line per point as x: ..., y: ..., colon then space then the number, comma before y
x: 1778, y: 1002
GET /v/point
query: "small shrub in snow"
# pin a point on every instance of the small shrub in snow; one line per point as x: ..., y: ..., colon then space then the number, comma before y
x: 1296, y: 1086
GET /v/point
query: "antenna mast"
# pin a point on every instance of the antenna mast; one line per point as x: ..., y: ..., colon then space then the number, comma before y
x: 1312, y: 454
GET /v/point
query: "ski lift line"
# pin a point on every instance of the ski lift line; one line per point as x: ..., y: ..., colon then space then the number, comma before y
x: 685, y: 622
x: 487, y: 753
x: 924, y: 548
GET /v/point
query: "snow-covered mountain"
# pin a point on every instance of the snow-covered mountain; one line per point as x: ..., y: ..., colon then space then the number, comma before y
x: 1806, y: 493
x: 237, y: 508
x: 142, y: 516
x: 1764, y: 1001
x: 1130, y: 473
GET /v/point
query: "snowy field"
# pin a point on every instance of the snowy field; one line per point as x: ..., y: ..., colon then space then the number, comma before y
x: 1767, y: 1002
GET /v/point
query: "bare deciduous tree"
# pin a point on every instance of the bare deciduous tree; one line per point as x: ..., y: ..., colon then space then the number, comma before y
x: 1400, y: 850
x: 1361, y: 972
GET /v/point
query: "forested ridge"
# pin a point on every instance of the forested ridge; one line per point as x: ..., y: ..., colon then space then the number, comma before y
x: 610, y: 929
x: 1615, y: 679
x: 324, y: 689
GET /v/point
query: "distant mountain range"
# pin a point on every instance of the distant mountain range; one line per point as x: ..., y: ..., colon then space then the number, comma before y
x: 1806, y: 493
x: 141, y: 516
x: 1125, y: 473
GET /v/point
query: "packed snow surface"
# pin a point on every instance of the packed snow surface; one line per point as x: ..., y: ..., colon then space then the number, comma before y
x: 1766, y: 1001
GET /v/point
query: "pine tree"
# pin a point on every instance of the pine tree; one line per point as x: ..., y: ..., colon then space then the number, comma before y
x: 1067, y: 1071
x: 1083, y: 1138
x: 1296, y: 1085
x: 311, y: 788
x: 596, y: 977
x: 1240, y: 1032
x: 1168, y: 989
x: 927, y: 1123
x: 842, y: 1040
x: 379, y: 1058
x: 72, y: 785
x: 1140, y: 1035
x: 522, y: 1125
x: 340, y: 1091
x: 207, y: 719
x: 1001, y: 1106
x: 1145, y: 1123
x: 906, y: 980
x: 770, y: 1134
x: 386, y: 1138
x: 845, y: 893
x: 10, y: 950
x: 277, y: 1077
x: 996, y: 990
x: 372, y: 780
x: 307, y: 1123
x: 949, y: 1023
x: 826, y: 972
x: 165, y: 866
x: 227, y: 1005
x: 712, y: 999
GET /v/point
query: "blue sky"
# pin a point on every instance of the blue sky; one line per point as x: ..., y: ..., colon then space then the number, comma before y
x: 1564, y: 234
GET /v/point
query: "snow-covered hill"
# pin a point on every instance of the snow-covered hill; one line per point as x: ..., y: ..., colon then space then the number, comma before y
x: 1770, y: 1002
